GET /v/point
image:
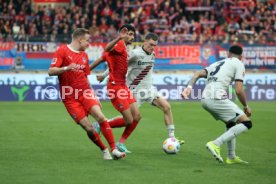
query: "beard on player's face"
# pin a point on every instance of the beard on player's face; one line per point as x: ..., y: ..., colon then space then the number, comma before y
x: 127, y: 41
x: 130, y: 41
x: 130, y: 37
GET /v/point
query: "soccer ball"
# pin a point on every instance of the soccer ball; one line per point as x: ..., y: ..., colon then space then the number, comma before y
x: 171, y: 145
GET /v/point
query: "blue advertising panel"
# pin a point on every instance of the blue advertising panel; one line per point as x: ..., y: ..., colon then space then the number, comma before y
x: 254, y: 56
x: 170, y: 92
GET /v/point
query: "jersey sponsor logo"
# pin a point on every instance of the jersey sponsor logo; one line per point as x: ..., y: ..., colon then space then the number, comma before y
x: 145, y: 63
x: 54, y: 61
x: 79, y: 67
x: 120, y: 106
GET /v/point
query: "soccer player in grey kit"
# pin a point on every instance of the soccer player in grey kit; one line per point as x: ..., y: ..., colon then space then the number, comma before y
x: 214, y: 99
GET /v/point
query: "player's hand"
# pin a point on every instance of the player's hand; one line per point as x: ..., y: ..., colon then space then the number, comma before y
x: 100, y: 78
x: 72, y: 66
x: 247, y: 111
x: 124, y: 33
x: 185, y: 94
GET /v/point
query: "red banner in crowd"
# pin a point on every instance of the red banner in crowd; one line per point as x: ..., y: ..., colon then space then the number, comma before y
x: 51, y: 1
x: 4, y: 46
x: 6, y: 61
x: 179, y: 54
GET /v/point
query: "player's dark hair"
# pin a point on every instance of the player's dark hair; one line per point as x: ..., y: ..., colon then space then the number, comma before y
x: 129, y: 27
x: 80, y: 32
x: 235, y: 49
x: 151, y: 36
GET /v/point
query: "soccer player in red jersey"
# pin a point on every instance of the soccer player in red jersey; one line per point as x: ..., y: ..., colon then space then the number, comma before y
x: 70, y: 63
x: 118, y: 92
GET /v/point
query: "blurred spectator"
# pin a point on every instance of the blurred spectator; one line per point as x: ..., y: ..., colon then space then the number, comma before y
x: 177, y: 21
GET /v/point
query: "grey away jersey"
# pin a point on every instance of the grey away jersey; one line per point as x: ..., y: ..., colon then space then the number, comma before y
x: 140, y: 67
x: 220, y: 75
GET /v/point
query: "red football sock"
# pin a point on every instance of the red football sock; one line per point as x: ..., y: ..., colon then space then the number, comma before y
x: 95, y: 137
x: 108, y: 134
x: 117, y: 122
x: 128, y: 131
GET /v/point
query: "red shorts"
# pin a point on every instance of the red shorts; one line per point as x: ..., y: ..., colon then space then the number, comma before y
x: 120, y: 96
x: 80, y: 108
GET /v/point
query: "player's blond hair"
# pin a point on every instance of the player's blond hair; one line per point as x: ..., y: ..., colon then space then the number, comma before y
x: 79, y: 32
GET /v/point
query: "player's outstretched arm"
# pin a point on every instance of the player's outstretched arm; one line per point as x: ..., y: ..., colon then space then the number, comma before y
x: 57, y: 70
x: 95, y: 63
x: 187, y: 91
x: 102, y: 76
x: 241, y: 96
x: 123, y: 34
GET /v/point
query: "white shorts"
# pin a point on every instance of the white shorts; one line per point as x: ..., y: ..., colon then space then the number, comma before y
x: 145, y: 95
x: 224, y: 110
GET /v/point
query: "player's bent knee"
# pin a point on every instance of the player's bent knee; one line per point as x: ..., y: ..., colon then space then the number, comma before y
x: 101, y: 119
x: 137, y: 117
x: 128, y: 121
x: 248, y: 124
x: 89, y: 129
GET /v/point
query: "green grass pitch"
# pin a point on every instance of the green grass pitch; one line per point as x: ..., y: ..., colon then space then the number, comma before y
x: 40, y: 144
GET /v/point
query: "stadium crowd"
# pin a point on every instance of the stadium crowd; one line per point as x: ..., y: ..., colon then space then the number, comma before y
x: 175, y: 21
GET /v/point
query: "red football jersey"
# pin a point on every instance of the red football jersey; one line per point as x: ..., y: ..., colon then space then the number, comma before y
x: 117, y: 63
x: 77, y: 78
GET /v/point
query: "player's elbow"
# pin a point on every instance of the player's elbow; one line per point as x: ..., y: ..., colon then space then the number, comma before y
x: 50, y: 72
x: 107, y: 49
x: 199, y: 74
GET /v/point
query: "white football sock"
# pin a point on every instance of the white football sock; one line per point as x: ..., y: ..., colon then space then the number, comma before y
x: 230, y: 134
x: 170, y: 129
x: 231, y: 148
x: 231, y: 145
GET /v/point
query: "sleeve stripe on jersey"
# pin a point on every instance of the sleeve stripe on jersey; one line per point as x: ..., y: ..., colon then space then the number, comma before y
x: 239, y: 80
x: 206, y: 72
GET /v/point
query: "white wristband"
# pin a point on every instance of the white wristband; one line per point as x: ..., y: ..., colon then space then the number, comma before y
x: 65, y: 68
x: 189, y: 86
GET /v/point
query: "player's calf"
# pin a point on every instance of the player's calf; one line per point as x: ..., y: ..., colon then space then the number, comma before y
x: 95, y: 137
